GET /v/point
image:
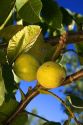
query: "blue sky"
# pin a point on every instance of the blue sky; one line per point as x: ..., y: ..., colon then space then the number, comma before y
x: 73, y: 5
x: 46, y: 105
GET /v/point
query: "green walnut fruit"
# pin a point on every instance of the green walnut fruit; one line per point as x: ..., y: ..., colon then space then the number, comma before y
x: 25, y: 67
x: 51, y: 75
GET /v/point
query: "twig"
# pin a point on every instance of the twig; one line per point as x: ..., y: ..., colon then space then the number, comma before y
x: 24, y: 103
x: 69, y: 79
x: 30, y: 113
x: 23, y: 96
x: 60, y: 46
x: 74, y: 37
x: 35, y: 91
x: 63, y: 102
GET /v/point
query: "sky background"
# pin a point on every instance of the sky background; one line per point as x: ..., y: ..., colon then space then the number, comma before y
x: 46, y: 105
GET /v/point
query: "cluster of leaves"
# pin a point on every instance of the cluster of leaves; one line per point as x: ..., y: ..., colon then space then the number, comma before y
x: 18, y: 39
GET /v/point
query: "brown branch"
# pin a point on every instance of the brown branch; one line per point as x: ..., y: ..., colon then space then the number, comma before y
x: 30, y: 113
x: 35, y: 91
x: 63, y: 102
x: 60, y: 46
x: 74, y: 37
x: 69, y: 79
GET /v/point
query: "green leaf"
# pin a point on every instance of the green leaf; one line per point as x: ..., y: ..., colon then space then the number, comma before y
x: 76, y: 103
x: 52, y: 123
x: 66, y: 122
x: 2, y: 56
x: 22, y: 41
x: 78, y: 18
x: 29, y: 10
x: 79, y: 48
x: 44, y: 27
x: 8, y: 32
x: 81, y: 61
x: 7, y: 109
x: 2, y: 88
x: 51, y: 13
x: 67, y: 18
x: 21, y: 119
x: 41, y: 50
x: 1, y: 124
x: 5, y: 7
x: 8, y: 79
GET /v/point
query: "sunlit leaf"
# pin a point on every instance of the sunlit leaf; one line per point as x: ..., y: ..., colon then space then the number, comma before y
x: 22, y: 41
x: 29, y: 10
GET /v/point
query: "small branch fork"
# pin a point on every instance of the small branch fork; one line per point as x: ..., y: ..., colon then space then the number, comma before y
x: 35, y: 91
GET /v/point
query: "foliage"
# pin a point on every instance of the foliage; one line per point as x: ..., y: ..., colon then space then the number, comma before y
x: 24, y: 26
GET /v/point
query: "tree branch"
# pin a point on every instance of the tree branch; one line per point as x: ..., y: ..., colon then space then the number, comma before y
x: 69, y: 79
x: 74, y: 37
x: 63, y: 102
x: 35, y: 91
x: 30, y: 113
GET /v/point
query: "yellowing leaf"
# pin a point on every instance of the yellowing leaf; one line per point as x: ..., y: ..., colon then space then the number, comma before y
x: 22, y: 41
